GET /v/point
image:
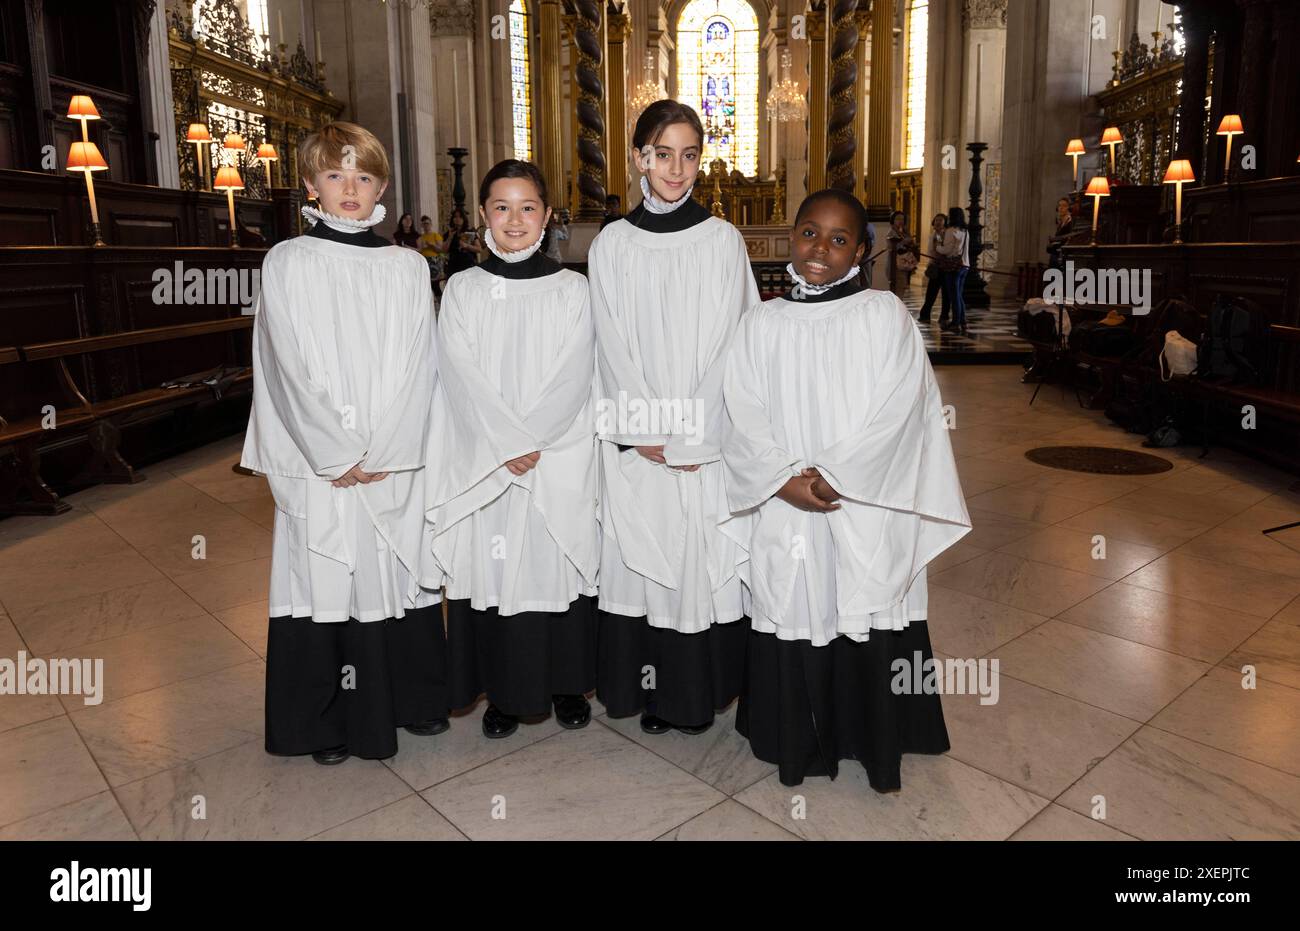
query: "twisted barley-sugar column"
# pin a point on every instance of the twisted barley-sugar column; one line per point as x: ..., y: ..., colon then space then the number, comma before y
x: 841, y: 138
x: 591, y: 122
x: 863, y: 19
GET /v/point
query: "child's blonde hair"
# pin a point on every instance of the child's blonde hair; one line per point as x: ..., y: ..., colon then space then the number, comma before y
x: 342, y: 145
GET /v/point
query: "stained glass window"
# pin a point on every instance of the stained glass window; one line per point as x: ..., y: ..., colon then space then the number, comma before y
x: 520, y: 90
x: 918, y: 16
x: 717, y: 74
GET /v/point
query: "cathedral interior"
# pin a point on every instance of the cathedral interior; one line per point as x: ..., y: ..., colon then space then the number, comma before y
x: 1098, y: 140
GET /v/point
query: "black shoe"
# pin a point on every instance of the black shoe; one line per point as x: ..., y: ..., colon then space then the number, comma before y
x: 331, y: 756
x: 653, y: 724
x: 572, y: 711
x: 948, y: 327
x: 925, y: 319
x: 943, y: 318
x: 694, y: 729
x: 428, y: 728
x: 496, y: 723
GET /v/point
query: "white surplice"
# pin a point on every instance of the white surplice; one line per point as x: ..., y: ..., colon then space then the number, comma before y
x: 845, y: 386
x: 666, y: 305
x: 344, y: 368
x: 516, y: 361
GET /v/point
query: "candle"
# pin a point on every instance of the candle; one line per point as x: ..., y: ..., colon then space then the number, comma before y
x: 979, y: 67
x: 1159, y: 9
x: 318, y: 46
x: 279, y: 26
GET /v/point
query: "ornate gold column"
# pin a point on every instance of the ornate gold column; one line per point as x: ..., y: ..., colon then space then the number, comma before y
x: 549, y: 128
x: 816, y: 95
x: 878, y: 143
x: 842, y: 125
x: 863, y: 19
x: 620, y: 24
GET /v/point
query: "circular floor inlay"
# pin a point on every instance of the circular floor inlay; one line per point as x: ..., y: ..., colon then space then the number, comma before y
x: 1105, y: 460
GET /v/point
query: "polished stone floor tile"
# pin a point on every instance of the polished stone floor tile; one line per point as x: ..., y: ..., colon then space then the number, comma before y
x: 729, y: 820
x: 1121, y: 676
x: 246, y: 793
x: 941, y: 799
x: 1159, y: 786
x: 586, y: 784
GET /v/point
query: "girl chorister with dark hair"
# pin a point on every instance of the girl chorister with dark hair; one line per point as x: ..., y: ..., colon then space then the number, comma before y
x: 668, y: 285
x: 512, y: 484
x: 837, y: 452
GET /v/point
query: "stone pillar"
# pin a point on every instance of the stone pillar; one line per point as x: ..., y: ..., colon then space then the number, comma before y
x: 159, y: 103
x: 549, y: 116
x: 841, y: 128
x: 816, y: 95
x: 878, y: 126
x: 451, y: 24
x: 620, y: 25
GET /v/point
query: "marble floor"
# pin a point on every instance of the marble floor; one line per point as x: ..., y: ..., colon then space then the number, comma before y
x: 1121, y: 713
x: 991, y: 331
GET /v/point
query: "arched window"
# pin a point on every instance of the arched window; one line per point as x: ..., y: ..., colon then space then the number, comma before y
x: 918, y: 33
x: 521, y: 98
x: 717, y: 74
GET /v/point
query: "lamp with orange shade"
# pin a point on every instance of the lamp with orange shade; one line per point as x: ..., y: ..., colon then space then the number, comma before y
x: 228, y: 180
x: 82, y: 108
x: 1098, y: 188
x: 199, y: 135
x: 266, y: 155
x: 1074, y: 148
x: 85, y: 157
x: 1179, y: 173
x: 232, y: 145
x: 1229, y: 126
x: 1111, y: 137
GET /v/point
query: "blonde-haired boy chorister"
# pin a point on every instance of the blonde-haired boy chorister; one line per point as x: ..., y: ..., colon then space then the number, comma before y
x: 344, y: 367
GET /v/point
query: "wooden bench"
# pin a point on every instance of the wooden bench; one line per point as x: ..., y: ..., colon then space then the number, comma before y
x: 67, y: 415
x: 1275, y: 399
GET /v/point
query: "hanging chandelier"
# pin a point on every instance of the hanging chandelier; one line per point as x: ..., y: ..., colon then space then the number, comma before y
x: 649, y: 90
x: 786, y: 101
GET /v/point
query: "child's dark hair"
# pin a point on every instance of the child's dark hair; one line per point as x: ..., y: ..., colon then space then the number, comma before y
x: 513, y: 168
x: 661, y: 114
x: 840, y: 197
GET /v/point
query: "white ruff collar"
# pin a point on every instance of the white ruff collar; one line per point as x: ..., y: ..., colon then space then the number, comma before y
x: 654, y: 204
x: 803, y: 289
x: 344, y: 224
x: 506, y: 256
